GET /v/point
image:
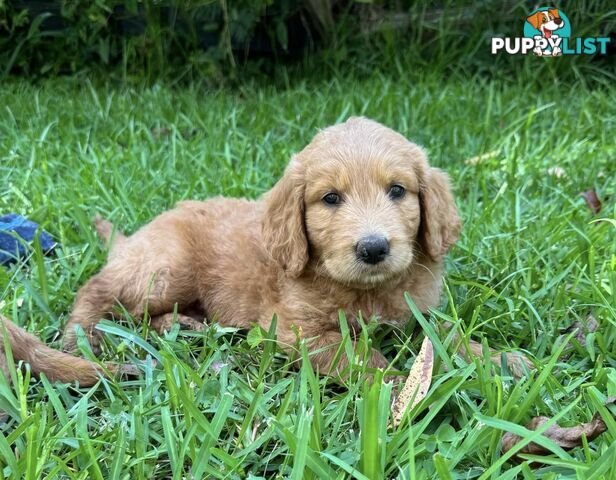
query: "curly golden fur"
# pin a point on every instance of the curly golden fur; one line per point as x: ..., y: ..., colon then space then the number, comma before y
x: 290, y: 253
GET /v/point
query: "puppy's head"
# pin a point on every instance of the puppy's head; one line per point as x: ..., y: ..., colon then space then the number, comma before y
x: 361, y: 203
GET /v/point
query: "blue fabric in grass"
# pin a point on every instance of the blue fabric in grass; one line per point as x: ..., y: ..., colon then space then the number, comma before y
x: 11, y: 247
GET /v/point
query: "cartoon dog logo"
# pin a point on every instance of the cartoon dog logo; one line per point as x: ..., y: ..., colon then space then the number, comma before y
x: 547, y: 22
x: 548, y: 33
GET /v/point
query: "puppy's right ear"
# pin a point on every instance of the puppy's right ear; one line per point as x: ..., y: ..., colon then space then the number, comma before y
x: 440, y: 223
x: 534, y: 20
x: 283, y: 226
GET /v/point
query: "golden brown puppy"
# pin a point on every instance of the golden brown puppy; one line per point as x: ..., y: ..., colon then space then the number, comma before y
x: 358, y: 218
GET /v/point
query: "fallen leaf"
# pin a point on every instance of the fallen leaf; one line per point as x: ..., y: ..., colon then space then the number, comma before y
x: 518, y: 363
x: 557, y: 172
x: 592, y: 200
x: 565, y: 437
x: 583, y: 328
x: 161, y: 132
x: 417, y: 383
x: 128, y: 369
x: 481, y: 158
x: 218, y: 365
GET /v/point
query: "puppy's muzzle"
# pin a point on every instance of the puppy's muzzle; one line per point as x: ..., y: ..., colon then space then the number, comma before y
x: 558, y: 21
x: 372, y: 249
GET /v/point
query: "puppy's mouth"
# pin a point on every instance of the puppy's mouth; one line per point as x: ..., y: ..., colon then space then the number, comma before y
x: 363, y: 275
x: 376, y: 273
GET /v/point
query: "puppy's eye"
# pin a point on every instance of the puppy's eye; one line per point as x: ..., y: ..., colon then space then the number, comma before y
x: 396, y: 192
x: 332, y: 198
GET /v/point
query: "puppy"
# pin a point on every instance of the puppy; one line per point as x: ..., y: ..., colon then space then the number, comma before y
x: 358, y: 218
x: 546, y: 21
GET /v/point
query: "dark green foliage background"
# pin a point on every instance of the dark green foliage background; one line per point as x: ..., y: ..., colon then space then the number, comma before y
x: 189, y: 40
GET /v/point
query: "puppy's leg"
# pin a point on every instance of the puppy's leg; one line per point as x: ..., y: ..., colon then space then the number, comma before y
x: 95, y: 300
x: 136, y: 292
x: 150, y: 274
x: 163, y: 323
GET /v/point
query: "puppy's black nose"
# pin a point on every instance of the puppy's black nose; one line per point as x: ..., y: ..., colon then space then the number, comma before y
x: 558, y: 21
x: 372, y: 249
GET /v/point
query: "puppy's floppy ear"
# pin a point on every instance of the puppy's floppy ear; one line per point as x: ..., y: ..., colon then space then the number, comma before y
x: 440, y: 223
x: 535, y: 20
x: 283, y: 227
x: 554, y: 12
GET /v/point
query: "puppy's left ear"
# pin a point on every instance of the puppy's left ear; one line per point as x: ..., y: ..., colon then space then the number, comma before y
x: 440, y: 223
x: 283, y: 227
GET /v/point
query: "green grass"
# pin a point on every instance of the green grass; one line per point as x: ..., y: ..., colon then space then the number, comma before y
x: 223, y: 404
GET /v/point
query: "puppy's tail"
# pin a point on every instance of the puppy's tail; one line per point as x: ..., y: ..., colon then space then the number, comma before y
x: 107, y: 233
x: 56, y: 365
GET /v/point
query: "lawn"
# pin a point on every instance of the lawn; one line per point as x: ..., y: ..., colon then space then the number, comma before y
x: 532, y: 261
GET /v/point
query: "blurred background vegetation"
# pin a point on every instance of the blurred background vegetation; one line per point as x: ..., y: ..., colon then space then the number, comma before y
x: 224, y: 41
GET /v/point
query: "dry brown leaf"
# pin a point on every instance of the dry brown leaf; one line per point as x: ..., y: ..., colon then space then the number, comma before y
x: 518, y: 363
x: 481, y: 158
x: 161, y: 132
x: 583, y: 328
x: 4, y: 368
x: 128, y: 369
x: 417, y: 383
x: 557, y: 172
x: 567, y: 437
x: 592, y: 200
